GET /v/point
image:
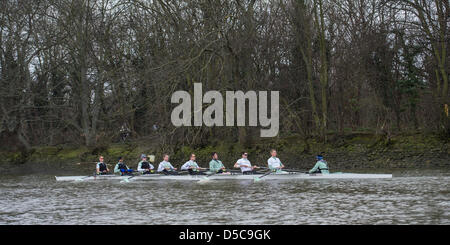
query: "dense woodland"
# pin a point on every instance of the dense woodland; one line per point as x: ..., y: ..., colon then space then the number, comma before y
x: 77, y: 71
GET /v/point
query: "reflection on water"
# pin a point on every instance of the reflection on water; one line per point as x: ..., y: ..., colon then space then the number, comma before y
x: 408, y: 198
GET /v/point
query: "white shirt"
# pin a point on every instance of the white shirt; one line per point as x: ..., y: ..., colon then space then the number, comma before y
x: 274, y: 162
x: 244, y: 164
x: 188, y: 164
x: 163, y: 165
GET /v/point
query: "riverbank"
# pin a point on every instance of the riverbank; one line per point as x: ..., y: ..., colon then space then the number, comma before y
x: 351, y: 151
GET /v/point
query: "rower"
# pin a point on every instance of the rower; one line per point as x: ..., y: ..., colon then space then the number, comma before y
x: 165, y: 167
x: 215, y: 165
x: 320, y: 167
x: 274, y: 162
x: 144, y: 166
x: 122, y: 168
x: 245, y: 165
x: 192, y: 167
x: 101, y: 167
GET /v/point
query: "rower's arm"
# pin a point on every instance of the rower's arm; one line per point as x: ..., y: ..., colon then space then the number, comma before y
x: 116, y: 169
x: 211, y: 166
x: 139, y: 167
x: 314, y: 168
x: 184, y: 166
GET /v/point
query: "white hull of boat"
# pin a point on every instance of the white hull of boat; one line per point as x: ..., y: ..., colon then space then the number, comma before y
x: 285, y: 176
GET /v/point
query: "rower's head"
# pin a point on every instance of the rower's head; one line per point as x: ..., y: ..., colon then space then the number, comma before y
x: 143, y: 156
x: 214, y: 155
x: 166, y: 157
x: 192, y: 157
x: 273, y: 152
x: 319, y: 157
x: 101, y: 158
x: 244, y: 155
x: 120, y: 159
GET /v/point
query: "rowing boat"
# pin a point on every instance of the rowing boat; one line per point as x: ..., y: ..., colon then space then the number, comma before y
x: 274, y: 176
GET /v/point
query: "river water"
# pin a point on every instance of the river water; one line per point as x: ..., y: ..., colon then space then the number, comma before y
x: 410, y: 197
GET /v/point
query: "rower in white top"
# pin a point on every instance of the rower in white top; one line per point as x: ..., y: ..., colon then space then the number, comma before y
x: 192, y: 167
x: 245, y: 165
x: 165, y: 167
x: 274, y: 162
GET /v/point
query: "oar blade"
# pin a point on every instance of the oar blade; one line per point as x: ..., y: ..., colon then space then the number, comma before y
x: 127, y: 180
x: 203, y: 180
x: 82, y: 178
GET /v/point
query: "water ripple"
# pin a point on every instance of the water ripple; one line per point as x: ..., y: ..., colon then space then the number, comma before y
x: 403, y: 200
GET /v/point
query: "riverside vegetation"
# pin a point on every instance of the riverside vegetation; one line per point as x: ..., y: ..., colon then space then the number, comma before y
x: 350, y: 151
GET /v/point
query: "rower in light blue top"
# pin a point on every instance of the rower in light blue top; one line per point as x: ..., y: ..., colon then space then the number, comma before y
x: 215, y: 165
x: 320, y: 167
x: 274, y: 162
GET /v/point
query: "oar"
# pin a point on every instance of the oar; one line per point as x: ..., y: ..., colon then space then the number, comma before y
x: 128, y: 179
x: 256, y: 179
x: 81, y: 179
x: 205, y: 178
x: 295, y: 170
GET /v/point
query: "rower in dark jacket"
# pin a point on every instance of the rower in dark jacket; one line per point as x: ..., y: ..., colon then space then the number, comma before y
x: 144, y: 166
x: 122, y: 168
x: 101, y: 167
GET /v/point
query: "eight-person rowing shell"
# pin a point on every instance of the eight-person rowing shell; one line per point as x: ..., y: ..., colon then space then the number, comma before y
x: 216, y: 166
x: 192, y: 167
x: 217, y: 170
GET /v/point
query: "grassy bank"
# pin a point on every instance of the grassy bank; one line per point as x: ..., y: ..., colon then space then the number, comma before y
x: 362, y: 150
